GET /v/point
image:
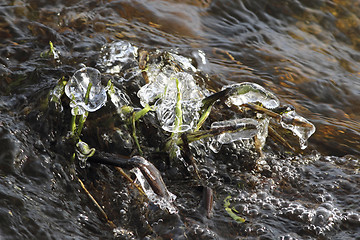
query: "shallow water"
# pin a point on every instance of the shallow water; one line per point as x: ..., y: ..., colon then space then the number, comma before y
x: 306, y: 52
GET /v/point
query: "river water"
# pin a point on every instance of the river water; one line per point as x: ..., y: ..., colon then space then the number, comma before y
x: 306, y: 52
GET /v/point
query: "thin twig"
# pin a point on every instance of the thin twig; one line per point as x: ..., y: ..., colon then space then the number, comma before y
x: 97, y: 204
x: 128, y: 178
x: 280, y: 139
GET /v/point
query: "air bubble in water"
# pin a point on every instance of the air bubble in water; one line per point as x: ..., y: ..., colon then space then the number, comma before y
x: 76, y: 89
x: 246, y: 92
x: 317, y: 219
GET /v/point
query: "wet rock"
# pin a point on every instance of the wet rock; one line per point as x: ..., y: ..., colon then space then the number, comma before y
x: 35, y: 170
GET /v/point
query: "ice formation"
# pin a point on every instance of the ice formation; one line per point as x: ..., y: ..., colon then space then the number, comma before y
x: 118, y: 98
x: 83, y: 152
x: 165, y: 83
x: 55, y: 96
x: 246, y: 92
x: 247, y: 128
x: 163, y: 202
x: 119, y: 57
x: 299, y: 126
x: 77, y: 87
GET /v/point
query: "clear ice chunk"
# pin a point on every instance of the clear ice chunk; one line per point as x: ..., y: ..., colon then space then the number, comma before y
x: 119, y: 57
x: 184, y: 62
x: 202, y: 63
x: 246, y: 92
x: 119, y: 99
x: 248, y: 128
x: 263, y: 131
x: 300, y: 127
x: 77, y: 87
x: 162, y: 91
x: 55, y: 96
x: 164, y: 203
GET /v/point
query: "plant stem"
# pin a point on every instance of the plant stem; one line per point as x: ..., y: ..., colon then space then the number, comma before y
x: 81, y: 122
x: 84, y: 116
x: 195, y: 136
x: 134, y: 134
x: 231, y: 212
x: 51, y: 51
x: 129, y: 179
x: 72, y: 159
x: 208, y: 102
x: 96, y: 204
x: 203, y: 117
x: 73, y: 124
x: 170, y: 145
x: 86, y: 100
x: 178, y: 110
x: 142, y: 112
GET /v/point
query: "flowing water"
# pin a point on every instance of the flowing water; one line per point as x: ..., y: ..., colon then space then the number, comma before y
x: 306, y: 53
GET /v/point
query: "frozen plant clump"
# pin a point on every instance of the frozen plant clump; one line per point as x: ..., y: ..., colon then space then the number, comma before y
x: 300, y: 127
x: 169, y: 89
x: 238, y: 129
x: 246, y: 92
x: 119, y: 57
x: 251, y: 93
x: 77, y: 88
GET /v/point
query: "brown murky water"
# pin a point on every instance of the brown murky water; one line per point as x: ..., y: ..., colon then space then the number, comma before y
x: 306, y: 52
